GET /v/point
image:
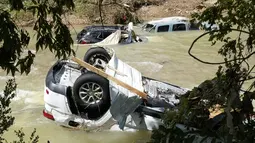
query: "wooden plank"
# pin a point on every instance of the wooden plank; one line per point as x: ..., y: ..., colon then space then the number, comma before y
x: 109, y: 77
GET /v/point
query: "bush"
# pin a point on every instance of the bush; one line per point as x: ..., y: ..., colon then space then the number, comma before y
x: 226, y: 90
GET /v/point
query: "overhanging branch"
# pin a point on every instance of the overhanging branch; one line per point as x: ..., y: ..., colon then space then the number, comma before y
x: 216, y: 63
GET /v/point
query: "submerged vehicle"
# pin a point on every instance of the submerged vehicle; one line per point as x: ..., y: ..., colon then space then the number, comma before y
x: 94, y: 34
x: 108, y: 35
x: 177, y: 23
x: 77, y: 97
x: 97, y: 29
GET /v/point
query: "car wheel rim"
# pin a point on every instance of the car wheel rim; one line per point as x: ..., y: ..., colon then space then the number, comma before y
x: 99, y: 61
x: 91, y: 93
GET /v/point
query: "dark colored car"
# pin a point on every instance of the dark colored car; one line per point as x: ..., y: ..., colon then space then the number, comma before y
x: 94, y: 34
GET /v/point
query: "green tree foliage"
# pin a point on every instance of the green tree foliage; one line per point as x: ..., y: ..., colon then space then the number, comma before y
x: 51, y: 33
x: 6, y: 119
x: 226, y: 90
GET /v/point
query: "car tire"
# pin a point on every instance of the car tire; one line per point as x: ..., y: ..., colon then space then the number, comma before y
x: 97, y: 57
x: 91, y: 93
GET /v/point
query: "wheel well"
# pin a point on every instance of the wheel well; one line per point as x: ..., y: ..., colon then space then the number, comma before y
x: 70, y: 101
x: 75, y: 109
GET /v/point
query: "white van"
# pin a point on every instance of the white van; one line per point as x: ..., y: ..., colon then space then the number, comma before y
x: 170, y: 24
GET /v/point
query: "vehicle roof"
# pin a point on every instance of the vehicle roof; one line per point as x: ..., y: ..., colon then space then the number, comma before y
x: 100, y: 27
x: 169, y: 20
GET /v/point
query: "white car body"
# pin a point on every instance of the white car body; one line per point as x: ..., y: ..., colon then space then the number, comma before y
x: 121, y: 115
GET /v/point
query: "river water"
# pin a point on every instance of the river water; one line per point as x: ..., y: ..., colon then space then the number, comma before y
x: 163, y: 57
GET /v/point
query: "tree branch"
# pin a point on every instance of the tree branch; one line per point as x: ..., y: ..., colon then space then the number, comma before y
x: 216, y: 63
x: 100, y: 12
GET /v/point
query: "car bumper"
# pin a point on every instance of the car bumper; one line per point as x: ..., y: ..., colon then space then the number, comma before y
x: 60, y: 107
x: 56, y: 100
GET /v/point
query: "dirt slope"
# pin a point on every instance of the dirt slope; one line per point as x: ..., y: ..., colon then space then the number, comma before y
x: 148, y: 11
x: 169, y: 8
x: 174, y: 8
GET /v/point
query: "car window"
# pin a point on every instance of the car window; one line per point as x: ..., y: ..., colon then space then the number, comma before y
x: 179, y: 27
x: 163, y: 28
x: 194, y: 26
x: 83, y: 32
x: 94, y: 33
x: 153, y: 29
x: 104, y: 34
x: 148, y: 27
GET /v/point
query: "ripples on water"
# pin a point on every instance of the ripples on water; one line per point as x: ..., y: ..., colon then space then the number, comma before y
x: 164, y: 58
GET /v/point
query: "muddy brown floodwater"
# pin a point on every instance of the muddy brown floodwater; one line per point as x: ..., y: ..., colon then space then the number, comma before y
x: 163, y: 57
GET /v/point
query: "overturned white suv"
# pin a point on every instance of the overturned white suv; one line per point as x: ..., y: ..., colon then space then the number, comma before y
x: 77, y: 97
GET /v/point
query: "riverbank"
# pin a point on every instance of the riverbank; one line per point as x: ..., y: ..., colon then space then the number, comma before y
x: 85, y: 14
